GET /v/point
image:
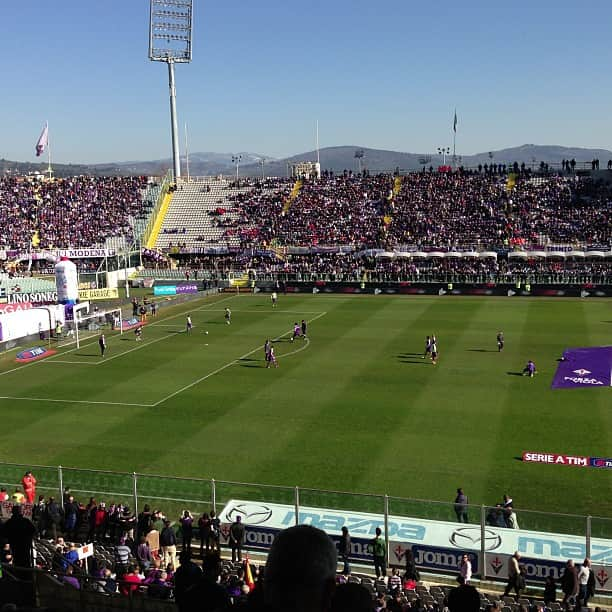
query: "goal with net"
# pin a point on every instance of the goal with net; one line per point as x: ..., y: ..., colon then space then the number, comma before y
x: 86, y: 325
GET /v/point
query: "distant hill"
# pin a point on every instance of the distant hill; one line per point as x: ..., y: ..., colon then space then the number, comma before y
x: 332, y: 158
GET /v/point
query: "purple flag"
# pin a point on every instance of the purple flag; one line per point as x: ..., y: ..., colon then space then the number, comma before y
x: 43, y: 141
x: 584, y: 367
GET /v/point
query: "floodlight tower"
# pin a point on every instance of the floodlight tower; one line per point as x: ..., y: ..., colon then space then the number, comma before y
x: 170, y: 30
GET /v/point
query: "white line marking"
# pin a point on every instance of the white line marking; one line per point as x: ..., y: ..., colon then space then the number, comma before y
x: 305, y: 346
x: 74, y: 362
x: 269, y: 311
x: 224, y: 367
x: 72, y: 401
x: 85, y: 345
x: 136, y: 348
x: 27, y: 365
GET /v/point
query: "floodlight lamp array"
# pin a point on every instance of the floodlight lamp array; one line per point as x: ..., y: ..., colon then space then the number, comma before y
x: 170, y: 30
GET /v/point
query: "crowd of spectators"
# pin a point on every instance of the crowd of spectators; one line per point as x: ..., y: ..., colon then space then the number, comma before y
x: 429, y: 210
x: 300, y: 574
x: 357, y: 267
x: 80, y: 211
x: 423, y: 211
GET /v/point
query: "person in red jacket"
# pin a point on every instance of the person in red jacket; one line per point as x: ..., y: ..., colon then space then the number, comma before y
x: 29, y: 486
x: 130, y: 581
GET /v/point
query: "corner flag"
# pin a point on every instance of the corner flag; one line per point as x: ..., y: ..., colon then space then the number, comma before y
x: 43, y: 141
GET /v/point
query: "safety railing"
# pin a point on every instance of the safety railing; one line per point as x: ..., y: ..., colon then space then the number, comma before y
x: 297, y: 504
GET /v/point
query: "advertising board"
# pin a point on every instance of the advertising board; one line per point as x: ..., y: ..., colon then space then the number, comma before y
x: 436, y: 545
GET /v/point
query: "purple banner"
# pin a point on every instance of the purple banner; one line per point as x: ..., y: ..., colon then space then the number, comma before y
x: 584, y: 367
x: 186, y: 289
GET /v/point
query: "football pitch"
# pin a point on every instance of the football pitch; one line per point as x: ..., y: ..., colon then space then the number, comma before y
x: 354, y: 407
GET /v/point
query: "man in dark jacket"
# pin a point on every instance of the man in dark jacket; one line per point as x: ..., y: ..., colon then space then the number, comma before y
x: 167, y: 542
x: 236, y: 538
x: 39, y: 516
x: 19, y: 531
x: 185, y: 578
x: 344, y: 549
x: 71, y: 513
x: 461, y: 506
x: 54, y: 518
x: 569, y: 582
x: 145, y: 521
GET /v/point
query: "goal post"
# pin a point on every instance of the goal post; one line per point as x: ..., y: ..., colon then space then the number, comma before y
x: 87, y: 324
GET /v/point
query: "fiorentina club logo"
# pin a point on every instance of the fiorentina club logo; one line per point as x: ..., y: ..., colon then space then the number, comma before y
x: 602, y: 577
x: 399, y: 551
x: 496, y: 564
x: 581, y: 372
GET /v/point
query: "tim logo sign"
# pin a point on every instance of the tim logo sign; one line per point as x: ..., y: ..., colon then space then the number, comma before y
x: 572, y: 460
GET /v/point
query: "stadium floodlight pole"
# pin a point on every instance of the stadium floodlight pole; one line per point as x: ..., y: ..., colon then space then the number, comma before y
x: 170, y: 33
x: 187, y: 153
x: 443, y: 151
x: 236, y: 159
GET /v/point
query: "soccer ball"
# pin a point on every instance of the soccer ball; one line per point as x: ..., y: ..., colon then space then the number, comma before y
x: 206, y: 332
x: 291, y: 339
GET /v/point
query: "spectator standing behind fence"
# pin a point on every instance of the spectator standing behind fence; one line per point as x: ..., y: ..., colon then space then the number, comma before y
x: 167, y: 541
x: 39, y: 516
x: 19, y: 532
x: 344, y: 548
x: 236, y: 538
x: 187, y: 529
x: 514, y: 572
x: 29, y: 486
x: 511, y: 518
x: 461, y: 506
x: 379, y: 552
x: 215, y: 530
x: 569, y: 582
x: 204, y: 531
x: 584, y: 576
x: 54, y: 518
x: 145, y: 521
x: 71, y: 511
x: 465, y: 569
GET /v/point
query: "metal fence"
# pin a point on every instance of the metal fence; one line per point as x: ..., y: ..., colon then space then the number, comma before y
x: 173, y: 494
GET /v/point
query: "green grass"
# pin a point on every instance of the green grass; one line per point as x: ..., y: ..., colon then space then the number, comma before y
x: 356, y: 409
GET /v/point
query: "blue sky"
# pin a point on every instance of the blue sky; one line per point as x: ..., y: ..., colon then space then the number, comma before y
x: 384, y: 74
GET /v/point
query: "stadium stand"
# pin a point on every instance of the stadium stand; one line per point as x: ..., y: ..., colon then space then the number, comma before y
x: 64, y: 580
x: 76, y: 212
x: 203, y: 213
x: 427, y: 226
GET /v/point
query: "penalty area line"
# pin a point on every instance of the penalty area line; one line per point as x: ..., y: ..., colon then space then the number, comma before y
x: 86, y: 343
x: 72, y: 401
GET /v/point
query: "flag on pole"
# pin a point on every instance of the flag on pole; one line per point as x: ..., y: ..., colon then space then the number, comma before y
x: 43, y: 141
x: 455, y: 122
x: 248, y: 575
